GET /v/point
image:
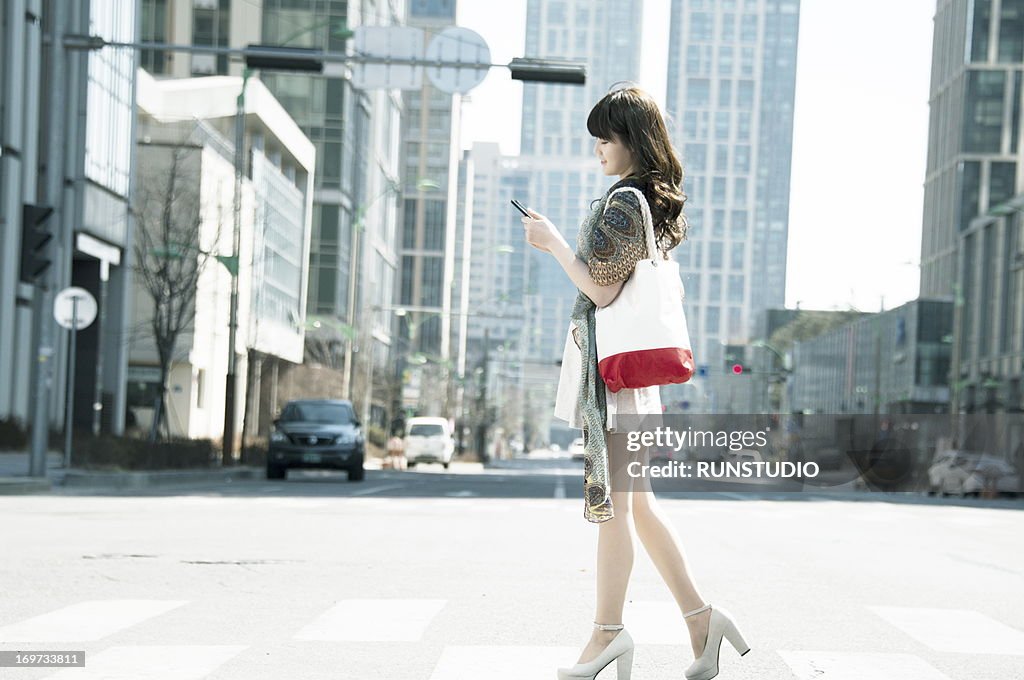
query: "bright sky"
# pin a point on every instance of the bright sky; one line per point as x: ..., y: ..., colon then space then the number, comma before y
x: 859, y: 139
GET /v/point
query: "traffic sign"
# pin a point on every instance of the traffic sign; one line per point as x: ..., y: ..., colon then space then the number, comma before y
x: 460, y: 45
x: 384, y: 42
x: 74, y: 308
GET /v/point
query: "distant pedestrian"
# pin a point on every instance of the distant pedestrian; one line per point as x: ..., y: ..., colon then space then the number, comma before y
x: 396, y: 453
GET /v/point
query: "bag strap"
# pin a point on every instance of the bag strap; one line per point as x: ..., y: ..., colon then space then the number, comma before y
x: 652, y: 246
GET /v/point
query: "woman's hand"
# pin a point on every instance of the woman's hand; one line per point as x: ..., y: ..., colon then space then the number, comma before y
x: 540, y: 233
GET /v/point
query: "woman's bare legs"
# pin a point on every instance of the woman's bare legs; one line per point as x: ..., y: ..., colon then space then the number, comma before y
x: 614, y: 553
x: 662, y: 543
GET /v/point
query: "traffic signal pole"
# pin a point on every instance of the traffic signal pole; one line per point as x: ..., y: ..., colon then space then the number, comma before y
x: 52, y: 195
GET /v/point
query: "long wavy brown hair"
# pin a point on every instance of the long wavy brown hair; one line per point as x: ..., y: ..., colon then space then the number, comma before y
x: 630, y: 116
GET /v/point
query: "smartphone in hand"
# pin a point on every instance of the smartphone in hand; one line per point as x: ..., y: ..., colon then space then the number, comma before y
x: 520, y: 207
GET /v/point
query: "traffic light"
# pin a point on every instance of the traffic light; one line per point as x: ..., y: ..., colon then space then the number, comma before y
x: 548, y: 71
x: 277, y: 58
x: 35, y: 237
x: 734, y: 361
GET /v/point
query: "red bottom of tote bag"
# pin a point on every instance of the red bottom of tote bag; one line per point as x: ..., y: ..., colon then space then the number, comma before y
x: 646, y: 367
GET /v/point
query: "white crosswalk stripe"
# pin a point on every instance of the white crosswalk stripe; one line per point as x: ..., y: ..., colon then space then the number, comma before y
x: 955, y: 630
x: 144, y: 662
x: 828, y: 665
x: 652, y: 623
x: 373, y: 620
x: 91, y: 620
x: 497, y: 662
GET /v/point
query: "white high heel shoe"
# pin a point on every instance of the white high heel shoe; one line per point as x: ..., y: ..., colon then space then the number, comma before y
x: 721, y: 624
x: 620, y: 648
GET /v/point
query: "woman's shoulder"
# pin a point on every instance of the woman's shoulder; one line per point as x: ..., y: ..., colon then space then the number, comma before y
x: 631, y: 181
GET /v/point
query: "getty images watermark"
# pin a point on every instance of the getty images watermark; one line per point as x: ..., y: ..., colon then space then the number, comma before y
x: 738, y: 443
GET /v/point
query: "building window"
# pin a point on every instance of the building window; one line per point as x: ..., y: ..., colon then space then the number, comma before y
x: 408, y: 270
x: 698, y: 93
x: 725, y: 60
x: 1011, y: 32
x: 745, y: 95
x: 701, y: 26
x: 1002, y: 180
x: 739, y: 224
x: 983, y: 123
x: 980, y: 30
x: 200, y: 388
x: 970, y: 184
x: 722, y: 125
x: 741, y: 158
x: 724, y: 94
x: 748, y: 28
x: 211, y: 23
x: 728, y: 27
x: 154, y: 29
x: 715, y: 257
x: 722, y: 157
x: 718, y: 190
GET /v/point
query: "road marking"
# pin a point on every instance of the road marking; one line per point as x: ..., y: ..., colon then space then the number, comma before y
x: 141, y: 662
x: 955, y: 630
x: 462, y: 494
x: 375, y: 489
x: 857, y: 666
x: 90, y: 620
x: 373, y: 620
x: 496, y: 662
x: 560, y: 488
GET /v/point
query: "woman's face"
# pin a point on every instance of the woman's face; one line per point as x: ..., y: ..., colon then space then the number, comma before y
x: 615, y: 157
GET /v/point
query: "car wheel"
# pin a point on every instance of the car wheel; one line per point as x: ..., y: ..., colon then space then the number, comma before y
x: 276, y: 472
x: 356, y: 474
x: 410, y: 464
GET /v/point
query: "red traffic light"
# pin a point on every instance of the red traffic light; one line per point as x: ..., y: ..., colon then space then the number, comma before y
x: 737, y: 369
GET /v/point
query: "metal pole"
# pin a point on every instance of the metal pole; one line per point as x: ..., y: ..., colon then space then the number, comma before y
x: 350, y: 314
x: 69, y: 412
x: 42, y: 320
x: 228, y: 446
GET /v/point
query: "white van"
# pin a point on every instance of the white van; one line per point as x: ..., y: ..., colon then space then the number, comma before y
x: 429, y: 439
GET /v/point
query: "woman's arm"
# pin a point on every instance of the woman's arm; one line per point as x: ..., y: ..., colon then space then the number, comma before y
x: 579, y: 272
x: 543, y: 235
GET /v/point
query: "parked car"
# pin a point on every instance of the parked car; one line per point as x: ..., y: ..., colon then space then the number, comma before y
x: 987, y: 471
x: 967, y: 473
x: 316, y: 433
x: 429, y: 440
x: 948, y: 471
x: 576, y: 449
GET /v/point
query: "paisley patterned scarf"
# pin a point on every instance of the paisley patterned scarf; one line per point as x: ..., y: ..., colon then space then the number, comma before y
x: 616, y: 247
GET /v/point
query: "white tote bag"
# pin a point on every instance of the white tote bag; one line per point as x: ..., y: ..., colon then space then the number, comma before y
x: 642, y: 339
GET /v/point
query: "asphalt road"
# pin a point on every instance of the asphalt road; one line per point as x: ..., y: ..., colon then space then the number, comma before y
x: 478, y: 573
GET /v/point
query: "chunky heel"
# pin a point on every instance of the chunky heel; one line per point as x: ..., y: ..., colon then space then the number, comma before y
x: 624, y: 666
x: 619, y: 650
x: 735, y: 637
x: 720, y: 624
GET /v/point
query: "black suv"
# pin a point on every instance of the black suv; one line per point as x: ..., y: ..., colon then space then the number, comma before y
x: 316, y: 433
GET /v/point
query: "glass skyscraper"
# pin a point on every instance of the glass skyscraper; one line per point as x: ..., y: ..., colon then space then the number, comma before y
x: 731, y: 86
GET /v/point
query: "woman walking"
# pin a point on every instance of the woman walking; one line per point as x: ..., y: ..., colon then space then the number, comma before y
x: 632, y: 142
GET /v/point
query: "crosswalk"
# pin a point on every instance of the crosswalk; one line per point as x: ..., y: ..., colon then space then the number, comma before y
x: 103, y: 627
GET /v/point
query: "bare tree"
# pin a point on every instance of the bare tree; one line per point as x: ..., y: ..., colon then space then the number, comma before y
x: 168, y: 255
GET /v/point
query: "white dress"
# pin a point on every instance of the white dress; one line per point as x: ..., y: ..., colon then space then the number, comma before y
x: 640, y: 401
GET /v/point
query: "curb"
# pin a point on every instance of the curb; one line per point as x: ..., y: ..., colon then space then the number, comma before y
x: 12, y: 486
x: 140, y: 480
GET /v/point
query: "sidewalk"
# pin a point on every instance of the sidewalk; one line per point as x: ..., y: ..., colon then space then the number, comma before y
x: 15, y: 479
